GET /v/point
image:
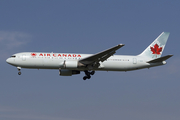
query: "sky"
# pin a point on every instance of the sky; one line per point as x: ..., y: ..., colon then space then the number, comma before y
x: 89, y: 26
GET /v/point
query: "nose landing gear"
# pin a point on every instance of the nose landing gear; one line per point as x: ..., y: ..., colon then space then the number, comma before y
x: 19, y: 69
x: 88, y: 74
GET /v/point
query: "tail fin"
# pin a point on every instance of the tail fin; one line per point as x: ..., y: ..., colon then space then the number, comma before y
x: 155, y: 49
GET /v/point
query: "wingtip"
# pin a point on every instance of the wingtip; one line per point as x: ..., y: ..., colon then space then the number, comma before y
x: 166, y: 32
x: 121, y: 44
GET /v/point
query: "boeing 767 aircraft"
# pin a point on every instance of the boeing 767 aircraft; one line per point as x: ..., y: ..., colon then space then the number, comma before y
x: 70, y: 63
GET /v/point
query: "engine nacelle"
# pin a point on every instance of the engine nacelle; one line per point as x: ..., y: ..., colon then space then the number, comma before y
x: 65, y: 72
x: 71, y: 64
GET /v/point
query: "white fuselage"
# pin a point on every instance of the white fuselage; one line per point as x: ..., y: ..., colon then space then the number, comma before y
x: 71, y: 64
x: 70, y: 61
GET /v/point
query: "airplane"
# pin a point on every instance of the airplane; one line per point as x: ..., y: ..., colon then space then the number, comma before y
x: 71, y: 64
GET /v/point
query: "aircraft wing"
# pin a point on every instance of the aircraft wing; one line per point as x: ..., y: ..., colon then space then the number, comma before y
x: 101, y: 56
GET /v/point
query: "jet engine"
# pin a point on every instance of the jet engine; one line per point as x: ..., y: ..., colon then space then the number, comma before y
x: 70, y: 64
x: 64, y: 72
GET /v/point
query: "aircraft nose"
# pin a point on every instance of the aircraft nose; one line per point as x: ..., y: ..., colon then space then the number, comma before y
x: 8, y: 60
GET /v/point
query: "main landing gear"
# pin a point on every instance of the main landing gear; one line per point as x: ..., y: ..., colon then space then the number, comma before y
x: 88, y: 74
x: 19, y: 69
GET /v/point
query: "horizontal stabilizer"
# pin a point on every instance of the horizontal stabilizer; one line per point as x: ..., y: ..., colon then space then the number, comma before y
x: 160, y: 59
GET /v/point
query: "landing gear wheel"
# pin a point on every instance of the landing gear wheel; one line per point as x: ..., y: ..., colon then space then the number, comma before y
x: 88, y: 77
x: 92, y: 73
x: 84, y: 78
x: 19, y: 69
x: 88, y: 74
x: 19, y: 73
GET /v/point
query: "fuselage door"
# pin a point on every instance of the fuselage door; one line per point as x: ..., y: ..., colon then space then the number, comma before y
x: 23, y: 57
x: 134, y: 60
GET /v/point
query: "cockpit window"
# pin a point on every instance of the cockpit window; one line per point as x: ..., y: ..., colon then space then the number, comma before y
x: 13, y: 56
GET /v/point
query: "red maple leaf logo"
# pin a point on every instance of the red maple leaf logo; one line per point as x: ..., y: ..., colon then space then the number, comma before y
x: 33, y: 54
x: 156, y: 49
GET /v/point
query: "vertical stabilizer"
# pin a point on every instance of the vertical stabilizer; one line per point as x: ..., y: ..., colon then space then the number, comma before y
x: 155, y: 49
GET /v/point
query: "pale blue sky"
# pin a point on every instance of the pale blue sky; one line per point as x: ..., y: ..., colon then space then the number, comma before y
x: 89, y: 26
